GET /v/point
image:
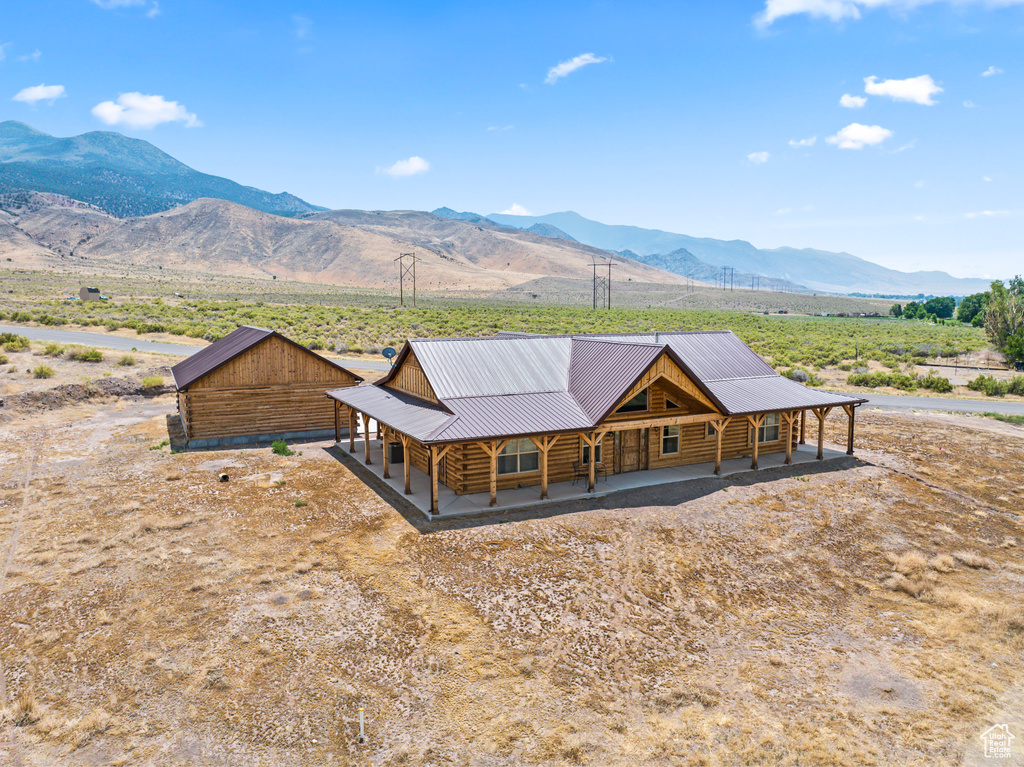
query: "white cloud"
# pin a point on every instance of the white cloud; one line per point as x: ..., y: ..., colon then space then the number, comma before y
x: 568, y: 67
x: 516, y: 210
x: 909, y: 145
x: 920, y: 185
x: 2, y: 54
x: 154, y: 10
x: 759, y: 158
x: 857, y: 136
x: 969, y: 104
x: 38, y: 93
x: 33, y: 57
x: 783, y: 211
x: 852, y: 102
x: 803, y: 142
x: 301, y: 27
x: 837, y: 10
x: 113, y: 5
x: 409, y: 167
x: 136, y: 110
x: 988, y: 213
x: 919, y: 89
x: 500, y: 127
x: 986, y: 178
x: 992, y: 71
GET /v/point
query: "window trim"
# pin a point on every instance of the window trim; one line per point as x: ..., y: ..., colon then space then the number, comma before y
x: 665, y: 435
x: 518, y: 454
x: 762, y: 430
x: 710, y: 430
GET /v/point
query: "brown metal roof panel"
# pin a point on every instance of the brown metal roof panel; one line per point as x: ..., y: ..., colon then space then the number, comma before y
x: 216, y: 354
x: 601, y: 371
x: 402, y: 412
x: 476, y: 367
x: 711, y: 355
x: 512, y: 415
x: 764, y: 394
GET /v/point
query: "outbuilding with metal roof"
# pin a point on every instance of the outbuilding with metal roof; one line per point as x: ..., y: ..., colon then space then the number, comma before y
x: 256, y: 385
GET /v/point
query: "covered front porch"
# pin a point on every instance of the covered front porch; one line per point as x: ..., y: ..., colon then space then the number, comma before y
x: 450, y: 504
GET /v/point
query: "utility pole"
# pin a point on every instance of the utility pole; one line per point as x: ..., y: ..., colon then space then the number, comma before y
x: 604, y: 285
x: 406, y: 270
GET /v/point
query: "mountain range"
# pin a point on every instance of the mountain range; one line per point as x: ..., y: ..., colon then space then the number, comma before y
x: 120, y: 175
x: 105, y: 195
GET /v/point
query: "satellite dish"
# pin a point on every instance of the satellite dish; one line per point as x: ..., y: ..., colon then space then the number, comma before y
x: 389, y: 352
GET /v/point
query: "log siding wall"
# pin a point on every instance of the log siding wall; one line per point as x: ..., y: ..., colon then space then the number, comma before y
x: 411, y: 379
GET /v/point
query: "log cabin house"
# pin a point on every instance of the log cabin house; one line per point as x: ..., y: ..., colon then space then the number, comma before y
x: 255, y: 385
x: 479, y: 414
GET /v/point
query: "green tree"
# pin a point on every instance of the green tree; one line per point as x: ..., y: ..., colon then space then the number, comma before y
x: 914, y: 311
x: 1004, y: 317
x: 896, y: 310
x: 970, y: 307
x: 940, y: 306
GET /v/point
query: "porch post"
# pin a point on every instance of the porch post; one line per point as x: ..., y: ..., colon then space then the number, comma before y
x: 803, y: 427
x: 755, y: 422
x: 406, y: 462
x: 850, y: 410
x: 592, y: 463
x: 351, y: 430
x: 544, y: 445
x: 821, y: 413
x: 790, y: 422
x: 384, y: 432
x: 366, y: 436
x: 719, y: 430
x: 433, y: 479
x: 337, y: 421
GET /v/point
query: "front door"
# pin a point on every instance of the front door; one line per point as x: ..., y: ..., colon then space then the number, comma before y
x: 629, y: 451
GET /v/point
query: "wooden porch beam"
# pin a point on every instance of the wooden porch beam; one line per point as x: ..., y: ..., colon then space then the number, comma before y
x: 492, y: 449
x: 383, y: 431
x: 337, y: 421
x: 790, y: 422
x: 592, y: 439
x: 544, y: 444
x: 850, y: 411
x: 719, y: 428
x: 406, y: 462
x: 351, y: 430
x: 803, y: 427
x: 821, y: 413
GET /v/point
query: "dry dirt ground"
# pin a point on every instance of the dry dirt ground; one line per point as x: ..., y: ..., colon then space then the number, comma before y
x: 152, y: 615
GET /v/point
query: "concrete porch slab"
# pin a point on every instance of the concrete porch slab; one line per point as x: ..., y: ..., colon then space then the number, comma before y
x: 451, y: 505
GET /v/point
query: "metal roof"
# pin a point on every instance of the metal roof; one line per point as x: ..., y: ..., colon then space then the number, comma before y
x: 742, y: 396
x: 408, y: 414
x: 225, y: 349
x: 516, y: 385
x: 511, y: 415
x: 474, y: 367
x: 711, y: 355
x: 602, y: 371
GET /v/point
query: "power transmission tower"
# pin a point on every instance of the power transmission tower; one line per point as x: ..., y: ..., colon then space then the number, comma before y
x: 406, y: 269
x: 603, y: 285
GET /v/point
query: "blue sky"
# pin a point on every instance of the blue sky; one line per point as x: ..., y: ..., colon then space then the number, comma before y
x: 681, y: 116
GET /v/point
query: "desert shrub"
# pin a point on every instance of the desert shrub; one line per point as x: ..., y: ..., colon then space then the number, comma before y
x: 126, y: 361
x: 881, y: 378
x: 87, y: 355
x: 42, y: 371
x: 13, y: 342
x: 21, y: 317
x: 935, y: 383
x: 152, y: 382
x: 846, y: 367
x: 973, y: 559
x: 299, y: 504
x: 3, y: 359
x: 150, y: 327
x: 989, y: 386
x: 1016, y: 386
x: 53, y: 349
x: 280, y: 447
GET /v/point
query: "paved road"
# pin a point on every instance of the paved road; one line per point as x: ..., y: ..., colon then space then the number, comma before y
x: 121, y: 343
x: 899, y: 402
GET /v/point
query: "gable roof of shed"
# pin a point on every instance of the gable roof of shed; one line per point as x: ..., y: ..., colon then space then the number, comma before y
x: 225, y: 349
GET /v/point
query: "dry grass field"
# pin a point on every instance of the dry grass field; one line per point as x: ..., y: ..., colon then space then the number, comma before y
x: 152, y: 615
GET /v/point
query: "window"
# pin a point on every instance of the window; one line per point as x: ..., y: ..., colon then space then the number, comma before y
x: 585, y: 453
x: 767, y: 431
x: 518, y: 456
x: 670, y: 440
x: 670, y: 405
x: 635, y: 405
x: 710, y: 431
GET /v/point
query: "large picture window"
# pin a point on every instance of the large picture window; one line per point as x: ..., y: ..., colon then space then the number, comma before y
x: 518, y: 456
x: 670, y: 440
x: 767, y: 431
x: 635, y: 405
